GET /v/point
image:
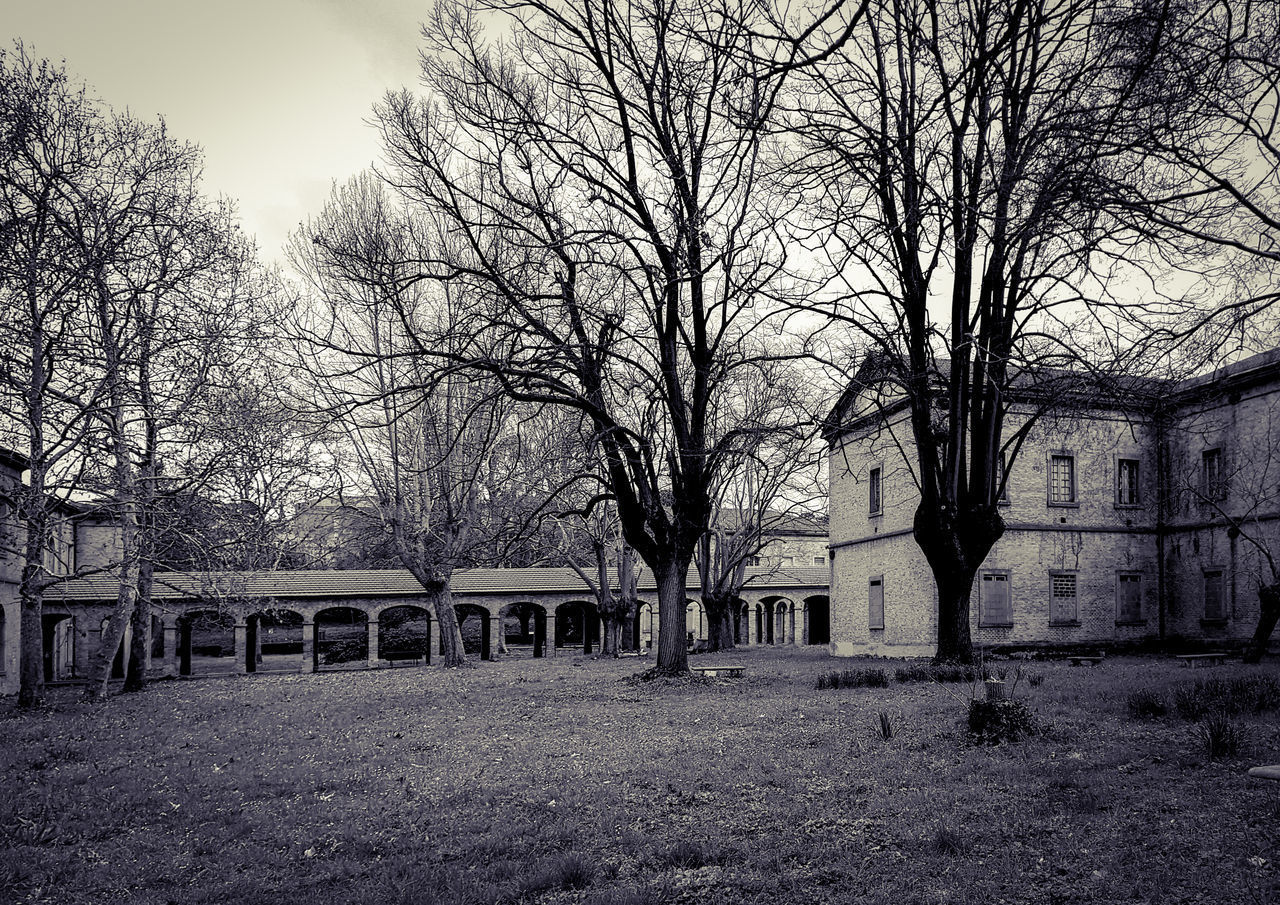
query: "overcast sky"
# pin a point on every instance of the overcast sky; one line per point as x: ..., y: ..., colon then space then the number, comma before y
x: 275, y: 91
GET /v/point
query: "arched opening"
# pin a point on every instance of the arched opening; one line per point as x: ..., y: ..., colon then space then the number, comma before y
x: 817, y: 613
x: 741, y: 625
x: 342, y: 637
x: 524, y: 629
x: 473, y: 623
x: 404, y: 633
x: 157, y: 638
x: 273, y: 641
x: 206, y: 642
x: 763, y: 635
x: 695, y: 622
x: 577, y: 622
x: 645, y: 620
x: 58, y: 645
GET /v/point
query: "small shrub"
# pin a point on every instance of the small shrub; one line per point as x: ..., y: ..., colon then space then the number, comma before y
x: 943, y: 672
x: 886, y: 727
x: 1036, y: 679
x: 1221, y: 735
x: 947, y: 841
x: 853, y: 678
x: 569, y: 871
x: 344, y: 651
x: 916, y: 672
x: 688, y: 854
x: 1255, y: 694
x: 993, y: 722
x: 1147, y: 704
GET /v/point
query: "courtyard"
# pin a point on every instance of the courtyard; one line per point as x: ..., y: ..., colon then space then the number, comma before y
x: 570, y: 780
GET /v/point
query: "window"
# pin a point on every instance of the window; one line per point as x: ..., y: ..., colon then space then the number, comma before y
x: 1214, y: 602
x: 1062, y: 479
x: 1128, y: 597
x: 996, y: 608
x: 819, y: 560
x: 753, y: 560
x: 1062, y: 598
x: 1211, y: 482
x: 1002, y: 486
x: 1127, y: 487
x: 874, y: 492
x: 786, y: 561
x: 875, y: 602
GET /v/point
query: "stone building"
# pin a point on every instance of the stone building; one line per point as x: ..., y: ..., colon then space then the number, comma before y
x: 1119, y: 522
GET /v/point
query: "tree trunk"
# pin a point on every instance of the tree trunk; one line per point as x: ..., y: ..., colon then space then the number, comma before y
x: 31, y: 653
x: 955, y: 547
x: 1268, y: 615
x: 673, y: 655
x: 135, y: 676
x: 452, y: 652
x: 719, y: 622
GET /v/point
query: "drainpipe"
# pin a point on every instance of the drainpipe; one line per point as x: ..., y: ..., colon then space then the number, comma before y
x: 1162, y: 523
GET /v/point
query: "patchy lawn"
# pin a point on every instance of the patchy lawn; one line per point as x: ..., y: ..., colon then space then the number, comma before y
x: 560, y: 781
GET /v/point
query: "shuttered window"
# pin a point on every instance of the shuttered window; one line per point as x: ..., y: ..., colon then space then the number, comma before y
x: 875, y: 602
x: 1062, y: 597
x: 1128, y: 598
x: 996, y: 608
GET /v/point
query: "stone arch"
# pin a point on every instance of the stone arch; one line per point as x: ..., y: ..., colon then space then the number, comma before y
x: 342, y: 636
x: 523, y: 625
x: 206, y: 637
x: 476, y: 638
x: 577, y: 622
x: 272, y: 639
x: 817, y: 619
x: 646, y: 614
x: 57, y: 645
x: 695, y: 621
x: 741, y: 621
x: 404, y: 633
x: 773, y: 629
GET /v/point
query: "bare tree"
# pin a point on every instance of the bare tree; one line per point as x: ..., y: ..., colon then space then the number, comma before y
x: 983, y: 185
x: 600, y: 172
x: 415, y: 436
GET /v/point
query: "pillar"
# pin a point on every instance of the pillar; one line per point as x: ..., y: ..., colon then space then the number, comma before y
x: 495, y: 636
x: 242, y: 647
x: 804, y: 630
x: 791, y: 623
x: 540, y: 633
x: 371, y: 653
x: 752, y: 636
x: 170, y: 629
x: 308, y: 647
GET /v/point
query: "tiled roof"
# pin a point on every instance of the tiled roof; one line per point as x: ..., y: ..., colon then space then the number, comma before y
x: 335, y: 583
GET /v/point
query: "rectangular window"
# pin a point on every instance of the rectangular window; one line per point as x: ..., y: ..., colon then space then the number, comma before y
x: 819, y: 560
x: 874, y: 492
x: 1062, y: 479
x: 1128, y: 598
x: 753, y: 560
x: 1002, y: 486
x: 786, y: 561
x: 1127, y: 488
x: 996, y: 608
x: 1062, y: 597
x: 1211, y: 483
x: 1214, y: 601
x: 875, y: 602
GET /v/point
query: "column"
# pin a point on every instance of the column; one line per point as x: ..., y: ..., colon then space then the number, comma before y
x: 80, y: 649
x: 804, y: 636
x: 751, y: 633
x: 495, y: 635
x: 371, y: 640
x: 791, y: 624
x: 242, y: 647
x: 170, y: 629
x: 308, y: 646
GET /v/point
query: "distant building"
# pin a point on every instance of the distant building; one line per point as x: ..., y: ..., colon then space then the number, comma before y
x: 1116, y: 527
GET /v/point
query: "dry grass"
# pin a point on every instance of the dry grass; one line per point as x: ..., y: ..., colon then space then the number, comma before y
x: 560, y: 782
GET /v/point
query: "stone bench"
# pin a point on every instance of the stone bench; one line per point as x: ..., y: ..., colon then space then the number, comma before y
x: 727, y: 672
x: 1192, y: 661
x: 1092, y: 660
x: 1269, y: 772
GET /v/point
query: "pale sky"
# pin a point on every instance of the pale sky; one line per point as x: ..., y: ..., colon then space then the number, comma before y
x: 277, y: 92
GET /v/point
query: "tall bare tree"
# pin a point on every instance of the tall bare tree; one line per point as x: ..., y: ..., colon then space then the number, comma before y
x: 599, y: 170
x: 987, y: 188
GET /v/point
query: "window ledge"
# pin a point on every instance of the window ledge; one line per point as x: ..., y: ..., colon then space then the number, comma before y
x: 995, y: 625
x: 877, y: 514
x: 1064, y: 623
x: 1214, y: 622
x: 1052, y: 505
x: 1131, y: 506
x: 1131, y: 622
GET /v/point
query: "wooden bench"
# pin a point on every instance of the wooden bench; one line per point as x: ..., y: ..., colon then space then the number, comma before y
x: 727, y: 672
x: 1090, y: 660
x: 1192, y: 661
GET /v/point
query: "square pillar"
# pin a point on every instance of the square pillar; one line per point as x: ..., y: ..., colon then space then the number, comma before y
x: 242, y: 647
x: 170, y: 629
x: 371, y: 651
x: 495, y: 636
x: 308, y: 647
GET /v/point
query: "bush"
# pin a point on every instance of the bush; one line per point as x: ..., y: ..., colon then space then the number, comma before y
x: 688, y: 854
x: 1221, y: 735
x: 1243, y: 694
x: 940, y: 672
x: 1147, y: 704
x: 853, y: 678
x: 344, y: 651
x: 947, y: 841
x: 993, y: 722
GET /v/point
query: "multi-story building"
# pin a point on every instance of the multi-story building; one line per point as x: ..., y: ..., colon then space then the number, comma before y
x: 1123, y: 524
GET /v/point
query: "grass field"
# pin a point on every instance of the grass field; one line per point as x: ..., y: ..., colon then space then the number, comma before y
x: 559, y: 781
